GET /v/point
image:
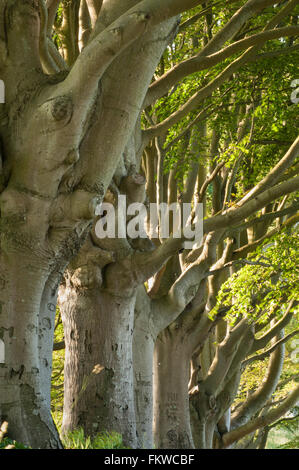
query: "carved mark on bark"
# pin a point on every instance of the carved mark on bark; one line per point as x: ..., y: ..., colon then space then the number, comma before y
x: 18, y: 373
x: 2, y: 329
x: 51, y: 307
x: 72, y: 335
x: 87, y: 344
x: 47, y: 323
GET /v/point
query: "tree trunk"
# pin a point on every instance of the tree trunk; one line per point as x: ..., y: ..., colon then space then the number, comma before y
x: 98, y: 382
x: 143, y: 353
x: 172, y: 429
x: 109, y: 403
x: 26, y: 330
x: 203, y: 421
x: 47, y: 316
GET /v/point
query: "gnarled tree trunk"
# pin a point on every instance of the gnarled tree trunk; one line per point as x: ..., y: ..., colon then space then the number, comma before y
x: 27, y: 325
x: 172, y: 427
x: 98, y: 372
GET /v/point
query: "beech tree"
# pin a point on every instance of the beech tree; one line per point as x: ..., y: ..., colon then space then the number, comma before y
x: 67, y: 118
x: 111, y: 321
x: 220, y: 363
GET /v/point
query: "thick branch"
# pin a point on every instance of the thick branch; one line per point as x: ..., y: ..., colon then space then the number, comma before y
x: 139, y: 267
x: 161, y: 86
x: 46, y: 58
x: 108, y: 44
x: 167, y: 308
x: 264, y: 340
x: 224, y: 356
x: 262, y: 421
x: 250, y: 247
x: 94, y: 7
x: 236, y: 214
x: 262, y: 356
x: 206, y: 91
x: 275, y: 173
x: 267, y: 217
x: 256, y: 401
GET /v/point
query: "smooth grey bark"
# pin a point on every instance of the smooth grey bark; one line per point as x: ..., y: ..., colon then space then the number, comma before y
x: 172, y: 427
x: 144, y: 337
x: 128, y: 118
x: 24, y: 388
x: 98, y: 372
x: 79, y: 130
x: 136, y: 69
x: 258, y: 399
x: 209, y: 403
x: 47, y: 316
x: 48, y: 195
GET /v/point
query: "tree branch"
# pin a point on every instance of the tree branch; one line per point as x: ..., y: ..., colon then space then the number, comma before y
x: 234, y: 215
x: 109, y: 44
x: 261, y: 421
x: 224, y: 357
x: 139, y: 267
x: 46, y: 58
x: 268, y: 217
x: 278, y: 52
x: 94, y: 8
x: 259, y: 398
x: 164, y: 83
x: 264, y: 340
x: 262, y: 356
x: 167, y: 308
x: 275, y: 173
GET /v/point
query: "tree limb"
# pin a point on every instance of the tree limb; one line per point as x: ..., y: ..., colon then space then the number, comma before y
x: 262, y: 421
x: 262, y: 356
x: 274, y: 175
x: 264, y: 340
x: 164, y: 83
x: 235, y: 214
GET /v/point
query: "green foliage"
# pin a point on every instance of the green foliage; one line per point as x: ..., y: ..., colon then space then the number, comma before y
x: 286, y: 430
x: 57, y: 374
x: 290, y: 426
x: 292, y: 444
x: 256, y: 290
x: 265, y: 84
x: 6, y: 442
x: 105, y: 440
x: 269, y: 284
x: 282, y: 439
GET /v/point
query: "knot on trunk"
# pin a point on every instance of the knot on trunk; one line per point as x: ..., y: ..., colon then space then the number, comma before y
x: 88, y: 276
x: 212, y: 402
x: 62, y: 108
x: 134, y: 187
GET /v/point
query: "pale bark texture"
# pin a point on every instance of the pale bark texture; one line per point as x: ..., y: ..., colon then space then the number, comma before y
x: 71, y: 129
x: 98, y: 364
x: 54, y: 172
x: 119, y: 281
x: 171, y: 424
